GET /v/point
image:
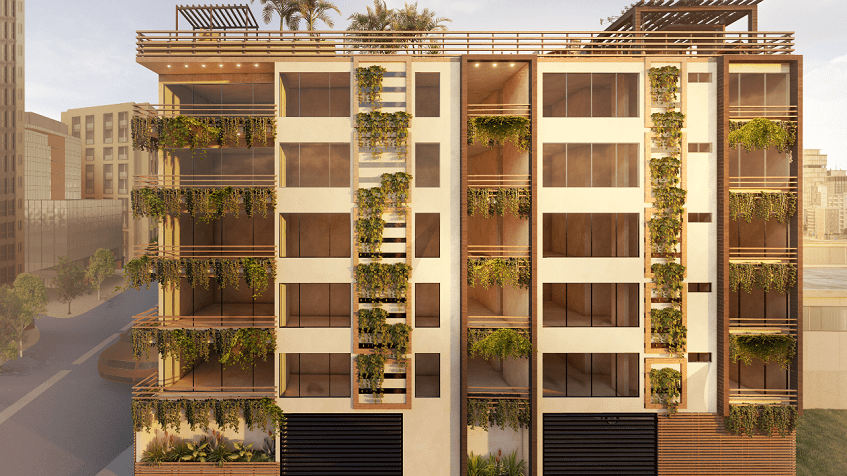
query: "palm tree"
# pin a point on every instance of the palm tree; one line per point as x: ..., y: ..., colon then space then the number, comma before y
x: 314, y: 11
x: 288, y: 11
x: 377, y: 19
x: 409, y: 19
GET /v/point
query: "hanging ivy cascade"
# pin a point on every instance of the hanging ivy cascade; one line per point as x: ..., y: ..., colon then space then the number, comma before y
x: 262, y: 413
x: 495, y: 130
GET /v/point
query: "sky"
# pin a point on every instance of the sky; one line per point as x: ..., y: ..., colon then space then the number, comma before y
x: 82, y: 53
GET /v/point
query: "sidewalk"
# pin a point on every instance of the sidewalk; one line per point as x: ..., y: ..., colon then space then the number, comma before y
x: 31, y: 337
x: 120, y: 466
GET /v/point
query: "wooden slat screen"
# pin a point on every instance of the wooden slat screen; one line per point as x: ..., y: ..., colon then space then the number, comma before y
x: 331, y: 444
x: 698, y: 445
x: 599, y: 443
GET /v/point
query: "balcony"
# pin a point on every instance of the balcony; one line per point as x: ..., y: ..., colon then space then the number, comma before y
x: 774, y: 113
x: 205, y: 181
x: 207, y: 251
x: 206, y: 110
x: 489, y: 378
x: 498, y: 251
x: 522, y: 110
x: 749, y: 396
x: 763, y: 184
x: 493, y: 181
x: 203, y: 319
x: 248, y: 43
x: 762, y: 255
x: 212, y: 380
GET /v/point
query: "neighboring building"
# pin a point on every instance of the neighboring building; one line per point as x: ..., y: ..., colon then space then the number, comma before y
x: 57, y: 222
x: 570, y: 268
x: 109, y: 163
x: 11, y: 139
x: 827, y: 223
x: 823, y: 188
x: 825, y: 335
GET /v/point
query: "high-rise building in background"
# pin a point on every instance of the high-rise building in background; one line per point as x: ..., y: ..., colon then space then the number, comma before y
x: 11, y: 140
x: 824, y: 198
x: 527, y: 243
x: 109, y: 163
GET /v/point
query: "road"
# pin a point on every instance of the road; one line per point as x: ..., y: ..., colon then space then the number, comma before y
x: 77, y: 423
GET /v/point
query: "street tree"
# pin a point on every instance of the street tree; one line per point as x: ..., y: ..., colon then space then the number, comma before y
x: 70, y: 281
x: 102, y: 266
x: 20, y: 305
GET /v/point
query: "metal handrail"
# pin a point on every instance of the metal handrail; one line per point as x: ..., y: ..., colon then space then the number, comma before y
x: 204, y: 181
x: 206, y: 251
x: 206, y: 110
x: 498, y: 251
x: 498, y: 181
x: 755, y: 254
x: 522, y: 110
x: 497, y: 322
x: 151, y: 319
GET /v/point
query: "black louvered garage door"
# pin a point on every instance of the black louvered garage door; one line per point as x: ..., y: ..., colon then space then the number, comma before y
x: 599, y: 444
x: 333, y: 444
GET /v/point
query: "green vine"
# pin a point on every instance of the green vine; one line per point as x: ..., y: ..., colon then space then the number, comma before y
x: 778, y: 348
x: 665, y: 171
x: 665, y: 234
x: 667, y: 322
x: 505, y: 413
x: 262, y: 412
x: 762, y: 205
x: 670, y: 200
x: 206, y: 204
x: 496, y: 130
x: 502, y: 343
x: 369, y: 84
x: 742, y: 419
x: 370, y: 371
x: 378, y: 280
x: 241, y: 346
x: 168, y: 272
x: 761, y: 133
x: 663, y: 84
x: 369, y: 231
x: 668, y: 278
x: 196, y: 133
x: 665, y: 386
x: 515, y: 272
x: 497, y: 201
x: 393, y: 340
x: 379, y: 130
x: 779, y: 277
x: 395, y: 188
x: 667, y: 129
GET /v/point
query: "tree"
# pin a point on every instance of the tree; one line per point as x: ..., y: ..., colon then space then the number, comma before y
x: 70, y: 281
x: 287, y: 10
x: 382, y: 18
x: 410, y: 19
x: 314, y: 11
x: 378, y: 19
x: 102, y: 266
x: 20, y: 305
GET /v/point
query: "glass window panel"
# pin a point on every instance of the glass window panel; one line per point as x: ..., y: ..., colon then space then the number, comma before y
x: 427, y: 165
x: 339, y: 95
x: 427, y: 305
x: 314, y: 165
x: 777, y: 89
x: 733, y: 87
x: 578, y: 373
x: 314, y: 95
x: 603, y: 162
x: 339, y: 368
x: 602, y: 383
x: 314, y: 375
x: 602, y: 235
x: 579, y: 95
x: 554, y: 92
x: 602, y: 309
x: 579, y: 165
x: 427, y: 95
x: 603, y: 95
x: 339, y: 304
x: 577, y: 235
x: 752, y: 91
x: 339, y: 235
x: 314, y: 305
x: 427, y: 235
x: 627, y: 168
x: 339, y: 165
x: 290, y: 94
x: 427, y: 376
x: 555, y: 162
x: 627, y: 95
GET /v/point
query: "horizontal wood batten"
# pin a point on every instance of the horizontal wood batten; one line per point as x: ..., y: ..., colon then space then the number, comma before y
x: 699, y: 445
x: 202, y: 469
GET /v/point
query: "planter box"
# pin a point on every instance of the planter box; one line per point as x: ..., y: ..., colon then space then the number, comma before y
x: 203, y: 469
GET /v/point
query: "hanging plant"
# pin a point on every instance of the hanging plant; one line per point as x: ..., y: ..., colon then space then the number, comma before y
x: 370, y: 373
x: 197, y: 272
x: 258, y: 129
x: 142, y: 414
x: 498, y: 201
x: 779, y: 277
x: 501, y: 343
x: 665, y: 233
x: 778, y: 348
x: 378, y: 130
x: 247, y: 347
x: 369, y: 232
x: 229, y: 131
x: 397, y: 339
x: 194, y: 133
x: 761, y: 133
x: 663, y: 84
x: 496, y: 130
x: 378, y: 280
x: 667, y: 322
x: 372, y: 322
x: 742, y: 419
x: 371, y: 202
x: 764, y: 205
x: 515, y: 272
x: 256, y: 275
x: 139, y: 272
x: 668, y: 278
x: 742, y: 205
x: 670, y: 200
x: 145, y: 131
x: 478, y: 413
x: 665, y: 387
x: 262, y: 412
x: 667, y: 129
x: 665, y: 171
x: 369, y: 84
x: 505, y: 413
x: 168, y: 272
x: 395, y: 188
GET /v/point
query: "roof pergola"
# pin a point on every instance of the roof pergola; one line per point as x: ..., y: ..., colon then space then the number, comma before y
x: 217, y: 17
x: 682, y: 15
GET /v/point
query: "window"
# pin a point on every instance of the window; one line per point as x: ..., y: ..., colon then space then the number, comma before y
x: 315, y: 164
x: 125, y: 211
x: 108, y: 127
x: 427, y: 376
x: 699, y: 287
x: 590, y: 304
x: 315, y: 305
x: 427, y: 235
x: 825, y: 318
x: 591, y: 375
x: 427, y: 95
x: 315, y: 235
x: 591, y: 165
x: 107, y: 153
x: 699, y: 77
x: 123, y: 127
x: 756, y: 90
x: 315, y: 94
x: 76, y: 129
x: 591, y: 235
x: 699, y: 218
x: 89, y: 130
x: 427, y: 164
x: 590, y: 94
x: 427, y: 305
x: 123, y: 153
x: 122, y: 178
x: 699, y: 356
x: 694, y: 147
x: 315, y: 375
x: 107, y: 178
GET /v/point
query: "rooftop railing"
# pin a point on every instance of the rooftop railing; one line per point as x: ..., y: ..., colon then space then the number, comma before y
x: 252, y: 43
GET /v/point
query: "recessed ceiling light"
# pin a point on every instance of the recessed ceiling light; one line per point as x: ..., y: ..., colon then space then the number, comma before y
x: 512, y: 64
x: 256, y: 65
x: 220, y: 65
x: 494, y: 64
x: 238, y: 65
x: 186, y: 66
x: 203, y: 65
x: 169, y: 66
x: 477, y: 65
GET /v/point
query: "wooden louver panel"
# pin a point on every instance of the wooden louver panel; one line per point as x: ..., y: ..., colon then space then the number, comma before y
x: 332, y: 444
x: 698, y: 445
x: 599, y: 443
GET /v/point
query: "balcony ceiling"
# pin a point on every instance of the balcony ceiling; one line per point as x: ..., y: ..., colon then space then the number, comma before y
x: 489, y: 77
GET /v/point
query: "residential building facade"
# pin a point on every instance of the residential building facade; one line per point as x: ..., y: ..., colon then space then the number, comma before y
x: 488, y: 243
x: 109, y: 163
